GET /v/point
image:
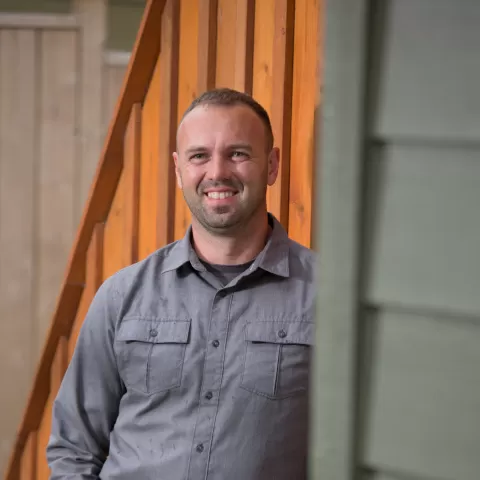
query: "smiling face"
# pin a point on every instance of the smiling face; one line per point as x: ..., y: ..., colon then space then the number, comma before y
x: 223, y: 166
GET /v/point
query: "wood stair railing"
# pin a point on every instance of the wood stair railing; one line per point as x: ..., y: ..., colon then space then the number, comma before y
x: 101, y: 229
x: 270, y: 48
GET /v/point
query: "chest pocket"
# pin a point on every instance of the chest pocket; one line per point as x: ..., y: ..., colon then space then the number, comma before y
x: 150, y: 353
x: 277, y: 358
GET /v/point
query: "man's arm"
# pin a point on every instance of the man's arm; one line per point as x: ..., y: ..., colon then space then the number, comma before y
x: 87, y: 403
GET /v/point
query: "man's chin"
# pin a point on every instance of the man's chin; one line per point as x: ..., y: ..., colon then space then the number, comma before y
x: 220, y: 222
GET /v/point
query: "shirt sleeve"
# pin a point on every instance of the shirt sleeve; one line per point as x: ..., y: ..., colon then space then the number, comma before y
x: 87, y: 404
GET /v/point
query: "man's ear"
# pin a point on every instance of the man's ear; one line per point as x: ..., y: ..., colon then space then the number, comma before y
x: 177, y: 172
x: 273, y: 165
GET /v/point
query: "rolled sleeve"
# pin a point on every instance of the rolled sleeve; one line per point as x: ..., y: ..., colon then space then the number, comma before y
x: 86, y: 407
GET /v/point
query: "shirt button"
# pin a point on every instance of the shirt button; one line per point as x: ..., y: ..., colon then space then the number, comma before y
x: 216, y: 343
x: 209, y: 395
x: 153, y: 332
x: 282, y: 333
x: 200, y: 448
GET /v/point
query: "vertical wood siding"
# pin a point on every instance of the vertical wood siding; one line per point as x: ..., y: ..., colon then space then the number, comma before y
x: 55, y: 107
x: 265, y: 47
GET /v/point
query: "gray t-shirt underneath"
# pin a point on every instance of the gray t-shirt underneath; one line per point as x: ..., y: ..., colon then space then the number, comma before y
x: 226, y: 273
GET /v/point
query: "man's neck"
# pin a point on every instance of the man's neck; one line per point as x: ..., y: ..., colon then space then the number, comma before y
x: 238, y: 248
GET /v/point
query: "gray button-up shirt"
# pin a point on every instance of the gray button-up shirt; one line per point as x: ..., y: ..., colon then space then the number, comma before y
x: 178, y: 377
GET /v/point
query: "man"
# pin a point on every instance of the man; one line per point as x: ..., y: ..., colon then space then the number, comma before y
x: 193, y: 363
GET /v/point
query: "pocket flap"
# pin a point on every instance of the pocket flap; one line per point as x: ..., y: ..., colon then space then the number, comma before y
x: 154, y: 331
x: 281, y: 332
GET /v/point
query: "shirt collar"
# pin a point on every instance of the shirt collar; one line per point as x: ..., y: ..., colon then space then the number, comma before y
x: 273, y: 258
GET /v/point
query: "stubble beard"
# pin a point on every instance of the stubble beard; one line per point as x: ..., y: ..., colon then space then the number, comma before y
x: 224, y: 220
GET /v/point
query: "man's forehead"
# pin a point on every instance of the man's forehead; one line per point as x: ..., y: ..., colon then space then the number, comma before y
x: 233, y: 113
x: 239, y: 119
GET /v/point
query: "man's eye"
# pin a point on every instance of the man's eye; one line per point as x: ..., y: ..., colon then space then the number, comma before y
x: 238, y: 154
x: 198, y: 156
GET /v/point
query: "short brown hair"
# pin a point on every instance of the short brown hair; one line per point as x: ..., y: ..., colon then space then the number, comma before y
x: 226, y: 97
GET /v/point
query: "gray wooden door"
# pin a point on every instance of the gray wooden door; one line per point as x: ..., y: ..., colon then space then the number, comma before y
x: 398, y: 358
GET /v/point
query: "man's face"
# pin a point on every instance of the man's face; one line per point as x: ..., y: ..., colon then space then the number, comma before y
x: 223, y: 166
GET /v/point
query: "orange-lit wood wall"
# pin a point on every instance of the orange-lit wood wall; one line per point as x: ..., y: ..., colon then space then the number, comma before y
x: 269, y: 48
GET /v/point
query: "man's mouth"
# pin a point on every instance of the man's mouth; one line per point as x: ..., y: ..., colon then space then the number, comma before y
x: 220, y: 195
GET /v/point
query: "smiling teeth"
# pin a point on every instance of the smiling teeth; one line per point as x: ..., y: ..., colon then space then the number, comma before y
x: 220, y: 195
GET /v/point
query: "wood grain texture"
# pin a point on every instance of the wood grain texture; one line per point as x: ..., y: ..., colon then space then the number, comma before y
x: 131, y: 168
x: 114, y: 239
x: 264, y: 29
x: 226, y: 43
x: 93, y: 280
x: 169, y: 64
x: 56, y: 195
x: 59, y: 365
x: 28, y: 470
x: 149, y: 167
x: 168, y: 69
x: 18, y: 96
x: 187, y: 91
x: 207, y: 44
x: 281, y: 109
x: 82, y: 310
x: 42, y: 470
x: 244, y: 43
x: 140, y: 69
x: 304, y: 102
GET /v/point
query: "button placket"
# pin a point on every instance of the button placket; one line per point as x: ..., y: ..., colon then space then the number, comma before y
x: 211, y: 384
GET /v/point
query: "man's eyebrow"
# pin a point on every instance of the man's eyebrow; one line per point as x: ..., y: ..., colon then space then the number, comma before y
x: 240, y: 146
x: 195, y: 148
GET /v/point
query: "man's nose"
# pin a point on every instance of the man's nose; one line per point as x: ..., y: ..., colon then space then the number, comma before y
x: 218, y: 167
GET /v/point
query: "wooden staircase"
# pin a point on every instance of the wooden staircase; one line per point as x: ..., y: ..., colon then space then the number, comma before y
x: 270, y: 48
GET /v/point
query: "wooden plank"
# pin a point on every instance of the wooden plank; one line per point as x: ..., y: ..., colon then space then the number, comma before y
x: 244, y: 43
x: 44, y: 429
x: 304, y: 102
x: 422, y: 394
x: 169, y: 63
x: 207, y: 45
x: 277, y: 195
x: 264, y: 28
x: 28, y: 470
x: 187, y: 91
x: 56, y: 196
x: 18, y: 98
x: 94, y: 274
x: 78, y: 322
x: 59, y: 365
x: 131, y: 168
x: 409, y: 60
x: 92, y: 16
x: 140, y: 69
x: 113, y: 242
x: 95, y: 259
x: 44, y: 21
x: 226, y: 43
x: 422, y: 227
x: 149, y: 167
x: 317, y: 165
